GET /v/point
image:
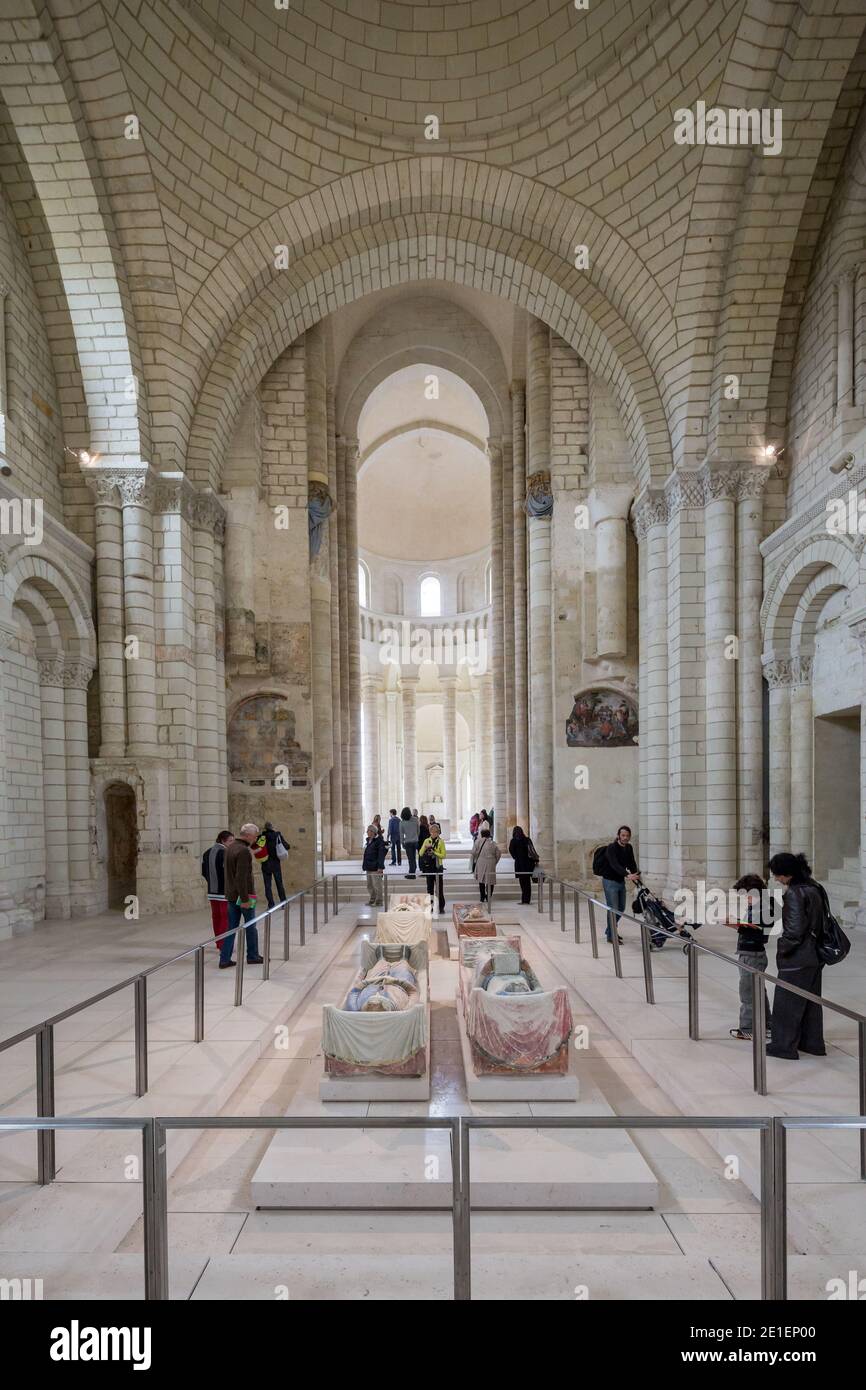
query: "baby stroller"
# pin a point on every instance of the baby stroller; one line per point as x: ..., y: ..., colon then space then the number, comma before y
x: 656, y: 911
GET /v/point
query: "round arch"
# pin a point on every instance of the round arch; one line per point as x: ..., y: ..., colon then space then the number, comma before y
x: 821, y: 566
x: 60, y: 593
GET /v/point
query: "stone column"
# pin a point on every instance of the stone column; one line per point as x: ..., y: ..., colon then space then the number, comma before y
x: 108, y: 524
x: 316, y: 418
x: 449, y: 747
x: 497, y: 642
x: 76, y: 678
x: 394, y: 793
x: 540, y: 634
x: 408, y: 686
x: 779, y: 675
x: 845, y: 338
x: 510, y: 805
x: 370, y: 687
x: 55, y: 796
x: 208, y: 522
x: 8, y: 638
x: 338, y: 848
x: 651, y: 519
x: 750, y: 684
x: 608, y: 511
x: 858, y: 629
x: 484, y: 734
x: 343, y: 613
x: 137, y: 492
x: 241, y: 506
x: 684, y: 496
x: 353, y: 624
x: 802, y: 758
x: 521, y: 712
x: 720, y: 491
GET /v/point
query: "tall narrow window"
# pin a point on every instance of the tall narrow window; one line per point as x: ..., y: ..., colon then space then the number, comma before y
x: 363, y: 585
x: 431, y: 597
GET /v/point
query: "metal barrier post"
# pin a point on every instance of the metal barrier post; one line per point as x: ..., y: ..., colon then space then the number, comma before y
x: 779, y: 1266
x: 45, y: 1146
x: 613, y: 924
x: 694, y: 1012
x: 315, y: 907
x: 593, y: 928
x: 198, y: 963
x: 325, y: 900
x: 241, y: 956
x: 302, y: 919
x: 461, y: 1239
x: 759, y: 1035
x: 768, y: 1212
x: 861, y: 1040
x: 576, y: 908
x: 649, y: 987
x: 141, y: 1035
x: 287, y: 946
x: 540, y: 893
x: 266, y: 948
x: 336, y: 894
x: 550, y: 900
x: 155, y: 1195
x: 562, y: 907
x: 385, y: 890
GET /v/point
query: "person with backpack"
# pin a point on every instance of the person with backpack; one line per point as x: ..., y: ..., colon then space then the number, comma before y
x: 276, y: 850
x: 474, y: 822
x: 525, y: 857
x: 409, y: 827
x: 615, y: 865
x: 373, y: 864
x: 430, y: 861
x: 797, y: 1024
x: 751, y: 949
x: 485, y: 856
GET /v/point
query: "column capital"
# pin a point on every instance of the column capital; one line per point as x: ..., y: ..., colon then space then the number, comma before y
x: 408, y: 680
x: 209, y: 514
x: 65, y: 672
x: 174, y: 493
x: 133, y: 485
x: 778, y: 672
x: 650, y: 509
x: 448, y: 680
x: 609, y: 502
x: 371, y: 684
x: 801, y: 670
x: 539, y: 494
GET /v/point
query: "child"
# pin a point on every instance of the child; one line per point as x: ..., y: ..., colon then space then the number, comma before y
x: 751, y: 950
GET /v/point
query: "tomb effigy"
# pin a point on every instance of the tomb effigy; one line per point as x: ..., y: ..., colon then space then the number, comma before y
x: 512, y: 1027
x: 376, y: 1041
x: 422, y: 900
x: 472, y: 919
x: 404, y: 925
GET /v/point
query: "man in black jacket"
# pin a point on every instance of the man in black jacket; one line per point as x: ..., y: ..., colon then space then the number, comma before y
x: 797, y: 1024
x: 373, y: 865
x: 213, y: 871
x: 620, y: 868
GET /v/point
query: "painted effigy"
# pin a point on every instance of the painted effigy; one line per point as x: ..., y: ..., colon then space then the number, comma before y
x: 601, y: 719
x: 472, y: 919
x: 381, y: 1026
x: 514, y: 1025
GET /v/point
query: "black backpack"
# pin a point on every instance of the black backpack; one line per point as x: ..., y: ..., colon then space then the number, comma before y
x: 600, y: 862
x: 831, y: 943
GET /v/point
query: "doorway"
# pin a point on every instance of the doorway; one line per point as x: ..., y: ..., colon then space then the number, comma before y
x: 122, y: 857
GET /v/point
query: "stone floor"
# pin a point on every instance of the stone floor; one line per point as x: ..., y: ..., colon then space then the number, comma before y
x: 83, y: 1236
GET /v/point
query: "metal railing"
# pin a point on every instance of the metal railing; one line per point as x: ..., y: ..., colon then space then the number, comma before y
x: 693, y: 950
x: 154, y: 1135
x: 43, y: 1032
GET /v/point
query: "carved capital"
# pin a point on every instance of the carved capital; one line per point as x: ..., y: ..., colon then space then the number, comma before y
x: 51, y: 672
x: 174, y: 494
x: 65, y: 671
x: 683, y: 490
x: 779, y: 673
x: 539, y: 494
x: 4, y: 563
x: 208, y: 514
x: 650, y: 510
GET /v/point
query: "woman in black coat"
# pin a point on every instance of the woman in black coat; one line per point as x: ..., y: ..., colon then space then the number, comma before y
x: 797, y: 1025
x: 522, y: 851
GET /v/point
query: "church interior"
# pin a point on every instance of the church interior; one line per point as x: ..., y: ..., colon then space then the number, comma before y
x: 444, y: 410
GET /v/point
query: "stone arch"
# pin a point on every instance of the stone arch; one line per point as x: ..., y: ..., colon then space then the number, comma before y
x: 809, y: 609
x: 827, y: 561
x: 61, y: 594
x: 596, y: 331
x: 53, y: 136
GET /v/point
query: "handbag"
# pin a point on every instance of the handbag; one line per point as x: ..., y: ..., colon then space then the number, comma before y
x: 831, y: 943
x: 428, y: 862
x: 282, y: 847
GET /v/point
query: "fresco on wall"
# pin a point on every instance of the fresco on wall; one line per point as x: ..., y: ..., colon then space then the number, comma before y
x: 261, y: 736
x: 601, y: 719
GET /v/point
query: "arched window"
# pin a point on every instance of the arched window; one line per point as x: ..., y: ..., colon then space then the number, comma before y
x: 431, y: 597
x: 363, y: 585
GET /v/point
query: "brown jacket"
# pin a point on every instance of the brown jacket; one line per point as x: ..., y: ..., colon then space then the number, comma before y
x: 239, y: 872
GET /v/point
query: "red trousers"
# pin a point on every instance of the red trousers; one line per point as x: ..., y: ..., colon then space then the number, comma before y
x: 219, y: 915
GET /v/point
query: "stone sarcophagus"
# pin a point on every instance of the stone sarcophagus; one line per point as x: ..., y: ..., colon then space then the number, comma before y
x: 513, y: 1025
x: 404, y: 925
x: 381, y: 1026
x: 472, y: 919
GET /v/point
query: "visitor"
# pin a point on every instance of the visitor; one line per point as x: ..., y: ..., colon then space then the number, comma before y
x: 485, y: 856
x: 620, y: 867
x: 483, y: 821
x: 377, y: 821
x: 474, y: 822
x: 797, y: 1025
x: 409, y: 835
x: 272, y: 869
x: 431, y: 857
x: 525, y: 857
x: 394, y: 837
x: 373, y: 864
x: 490, y: 819
x: 423, y: 831
x: 751, y: 950
x: 213, y: 872
x: 241, y: 895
